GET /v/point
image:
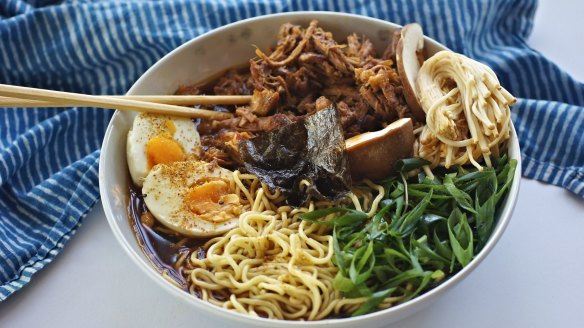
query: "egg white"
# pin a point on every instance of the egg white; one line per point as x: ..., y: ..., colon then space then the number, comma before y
x: 165, y: 190
x: 147, y: 126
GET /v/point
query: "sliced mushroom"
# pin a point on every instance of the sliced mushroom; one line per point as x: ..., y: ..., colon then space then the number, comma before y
x: 372, y: 155
x: 409, y: 46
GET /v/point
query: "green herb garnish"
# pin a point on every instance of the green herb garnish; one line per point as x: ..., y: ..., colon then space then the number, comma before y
x: 425, y: 231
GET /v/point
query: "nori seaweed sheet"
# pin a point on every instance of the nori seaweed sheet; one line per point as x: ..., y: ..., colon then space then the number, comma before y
x: 311, y: 149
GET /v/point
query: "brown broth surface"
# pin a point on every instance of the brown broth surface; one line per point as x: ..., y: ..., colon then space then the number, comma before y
x: 162, y: 249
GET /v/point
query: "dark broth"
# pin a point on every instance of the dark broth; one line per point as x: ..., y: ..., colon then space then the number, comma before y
x: 162, y: 249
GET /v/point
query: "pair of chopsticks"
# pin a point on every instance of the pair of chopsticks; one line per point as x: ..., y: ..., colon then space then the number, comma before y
x: 16, y: 96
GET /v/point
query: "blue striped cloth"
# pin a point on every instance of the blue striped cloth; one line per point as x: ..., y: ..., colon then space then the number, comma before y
x: 49, y: 157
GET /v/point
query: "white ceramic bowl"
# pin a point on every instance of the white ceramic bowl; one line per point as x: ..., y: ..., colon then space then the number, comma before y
x: 210, y: 54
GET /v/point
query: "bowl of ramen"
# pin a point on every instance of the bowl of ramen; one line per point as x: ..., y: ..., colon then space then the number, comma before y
x: 369, y: 171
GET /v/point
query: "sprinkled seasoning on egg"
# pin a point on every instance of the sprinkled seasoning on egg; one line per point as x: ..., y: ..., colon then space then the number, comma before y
x: 193, y: 198
x: 160, y: 139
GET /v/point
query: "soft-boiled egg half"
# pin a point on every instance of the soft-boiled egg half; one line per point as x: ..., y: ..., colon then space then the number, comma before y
x: 194, y: 198
x: 159, y: 139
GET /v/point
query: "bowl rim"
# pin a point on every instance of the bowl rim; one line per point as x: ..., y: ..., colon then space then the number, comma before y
x: 502, y: 223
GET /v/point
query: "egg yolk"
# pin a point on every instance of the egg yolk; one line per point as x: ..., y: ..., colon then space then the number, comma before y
x: 170, y: 127
x: 206, y: 197
x: 163, y: 150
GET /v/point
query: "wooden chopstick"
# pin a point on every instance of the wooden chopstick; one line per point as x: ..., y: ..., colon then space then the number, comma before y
x: 169, y: 100
x: 68, y: 99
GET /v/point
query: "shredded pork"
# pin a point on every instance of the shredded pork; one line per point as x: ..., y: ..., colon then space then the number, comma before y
x: 306, y: 71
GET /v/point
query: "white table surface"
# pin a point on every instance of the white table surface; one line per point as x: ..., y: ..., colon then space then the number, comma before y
x: 533, y: 277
